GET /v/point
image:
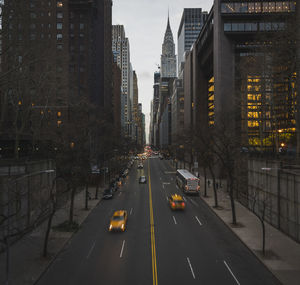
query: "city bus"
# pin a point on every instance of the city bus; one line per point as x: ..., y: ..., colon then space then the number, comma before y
x: 188, y: 182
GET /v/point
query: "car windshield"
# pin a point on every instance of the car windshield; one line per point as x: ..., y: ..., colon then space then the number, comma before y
x: 118, y: 218
x: 107, y: 191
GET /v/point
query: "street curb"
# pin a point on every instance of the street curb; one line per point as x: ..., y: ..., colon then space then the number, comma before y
x: 62, y: 248
x: 252, y: 252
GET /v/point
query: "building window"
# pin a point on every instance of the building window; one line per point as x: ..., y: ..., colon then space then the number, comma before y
x: 59, y: 46
x: 59, y: 15
x: 59, y: 4
x: 33, y: 15
x: 81, y: 26
x: 59, y: 26
x: 59, y: 36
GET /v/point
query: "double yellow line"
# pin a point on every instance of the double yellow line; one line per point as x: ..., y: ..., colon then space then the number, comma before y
x: 153, y: 251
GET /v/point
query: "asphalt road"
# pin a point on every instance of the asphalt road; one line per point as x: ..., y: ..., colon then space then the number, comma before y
x: 159, y: 246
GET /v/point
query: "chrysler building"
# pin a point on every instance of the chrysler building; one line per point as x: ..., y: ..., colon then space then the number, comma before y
x: 168, y: 57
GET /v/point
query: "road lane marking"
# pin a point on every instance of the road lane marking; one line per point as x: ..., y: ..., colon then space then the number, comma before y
x: 198, y: 220
x: 193, y: 202
x: 120, y: 193
x: 131, y: 211
x: 91, y: 249
x: 166, y: 183
x: 167, y: 198
x: 177, y: 187
x: 184, y: 199
x: 153, y: 250
x: 188, y: 260
x: 170, y: 172
x: 160, y: 178
x: 171, y: 178
x: 121, y: 254
x: 163, y: 186
x: 237, y: 282
x: 174, y: 220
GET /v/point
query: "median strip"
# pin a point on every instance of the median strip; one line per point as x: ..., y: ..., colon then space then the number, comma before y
x: 153, y: 250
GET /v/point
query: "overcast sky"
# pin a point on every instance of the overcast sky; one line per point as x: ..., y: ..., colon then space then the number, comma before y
x: 145, y: 23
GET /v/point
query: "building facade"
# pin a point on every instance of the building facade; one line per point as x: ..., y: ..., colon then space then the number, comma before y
x: 121, y: 49
x: 191, y: 23
x: 58, y: 50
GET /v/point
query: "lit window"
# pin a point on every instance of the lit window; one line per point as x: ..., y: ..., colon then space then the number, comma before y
x: 59, y: 15
x: 59, y: 26
x: 59, y: 36
x: 58, y: 124
x: 59, y: 4
x: 58, y: 114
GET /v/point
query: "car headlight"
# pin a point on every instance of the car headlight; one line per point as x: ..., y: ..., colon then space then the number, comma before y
x: 110, y: 227
x: 122, y: 226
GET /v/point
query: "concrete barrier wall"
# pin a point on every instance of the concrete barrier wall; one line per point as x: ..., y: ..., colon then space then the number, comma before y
x: 276, y: 187
x: 24, y: 195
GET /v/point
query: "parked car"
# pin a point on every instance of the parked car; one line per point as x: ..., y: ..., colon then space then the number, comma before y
x: 142, y: 180
x: 108, y: 193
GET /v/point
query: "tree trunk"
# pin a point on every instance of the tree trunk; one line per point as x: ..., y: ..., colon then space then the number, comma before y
x: 71, y: 212
x: 205, y: 184
x: 214, y: 186
x: 87, y: 196
x: 97, y: 190
x: 46, y: 239
x: 232, y: 201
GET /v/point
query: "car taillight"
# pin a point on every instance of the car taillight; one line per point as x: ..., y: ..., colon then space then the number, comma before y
x: 173, y: 204
x: 182, y: 204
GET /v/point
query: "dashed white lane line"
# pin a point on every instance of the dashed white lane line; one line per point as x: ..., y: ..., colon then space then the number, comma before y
x: 193, y: 202
x: 184, y: 199
x: 190, y: 265
x: 237, y: 281
x: 163, y: 186
x: 130, y: 211
x: 121, y: 254
x: 198, y: 221
x: 175, y: 222
x: 91, y: 249
x: 120, y: 193
x: 167, y: 198
x: 177, y: 187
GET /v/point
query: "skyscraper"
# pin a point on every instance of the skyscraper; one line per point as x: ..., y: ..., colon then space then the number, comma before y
x: 168, y: 57
x: 191, y: 23
x: 121, y: 49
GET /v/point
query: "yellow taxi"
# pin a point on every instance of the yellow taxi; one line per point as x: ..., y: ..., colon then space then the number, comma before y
x: 118, y: 221
x: 176, y: 202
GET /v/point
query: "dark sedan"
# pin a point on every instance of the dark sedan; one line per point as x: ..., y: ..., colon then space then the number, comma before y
x: 142, y: 180
x: 108, y: 194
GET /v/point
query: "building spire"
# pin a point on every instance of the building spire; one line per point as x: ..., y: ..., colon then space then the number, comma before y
x: 168, y: 25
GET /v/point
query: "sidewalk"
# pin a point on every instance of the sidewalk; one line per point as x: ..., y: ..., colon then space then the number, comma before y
x: 26, y: 263
x: 282, y: 253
